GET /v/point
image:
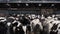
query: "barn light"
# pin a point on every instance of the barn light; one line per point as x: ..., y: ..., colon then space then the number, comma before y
x: 39, y: 4
x: 8, y: 4
x: 8, y: 0
x: 27, y: 4
x: 18, y: 4
x: 52, y: 5
x: 28, y: 0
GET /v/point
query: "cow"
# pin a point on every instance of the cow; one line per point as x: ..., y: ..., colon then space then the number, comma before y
x: 34, y: 23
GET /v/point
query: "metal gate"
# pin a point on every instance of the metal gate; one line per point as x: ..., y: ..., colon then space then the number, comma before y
x: 20, y: 11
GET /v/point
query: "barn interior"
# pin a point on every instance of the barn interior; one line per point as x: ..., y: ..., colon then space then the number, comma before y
x: 16, y: 8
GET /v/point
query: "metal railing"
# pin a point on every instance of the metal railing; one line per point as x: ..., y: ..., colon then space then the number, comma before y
x: 30, y: 1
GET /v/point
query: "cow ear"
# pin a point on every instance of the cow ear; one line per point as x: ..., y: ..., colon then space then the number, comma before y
x: 58, y: 27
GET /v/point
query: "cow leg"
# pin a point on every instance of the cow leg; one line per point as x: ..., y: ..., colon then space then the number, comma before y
x: 24, y: 28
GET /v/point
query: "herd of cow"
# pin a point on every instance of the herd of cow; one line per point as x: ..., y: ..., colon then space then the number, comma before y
x: 29, y: 24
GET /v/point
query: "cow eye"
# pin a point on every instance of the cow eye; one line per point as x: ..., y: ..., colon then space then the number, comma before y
x: 59, y: 27
x: 51, y: 21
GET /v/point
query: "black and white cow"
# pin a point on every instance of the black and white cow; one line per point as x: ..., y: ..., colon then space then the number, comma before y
x: 34, y: 23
